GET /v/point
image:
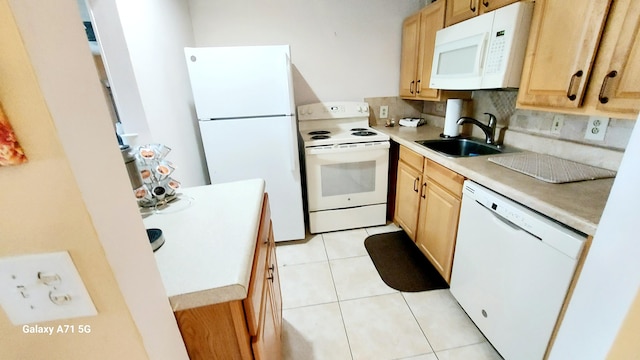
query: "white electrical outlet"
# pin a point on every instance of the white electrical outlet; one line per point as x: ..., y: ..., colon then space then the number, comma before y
x: 596, y: 128
x: 556, y: 125
x: 42, y: 287
x: 384, y: 111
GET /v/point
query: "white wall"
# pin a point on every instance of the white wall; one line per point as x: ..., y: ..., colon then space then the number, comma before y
x: 109, y: 32
x: 341, y: 50
x: 143, y: 45
x: 611, y: 275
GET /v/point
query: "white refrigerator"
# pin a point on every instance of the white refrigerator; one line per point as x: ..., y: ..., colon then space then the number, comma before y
x: 244, y: 102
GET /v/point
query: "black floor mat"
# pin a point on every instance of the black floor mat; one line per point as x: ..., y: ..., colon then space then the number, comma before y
x: 400, y: 263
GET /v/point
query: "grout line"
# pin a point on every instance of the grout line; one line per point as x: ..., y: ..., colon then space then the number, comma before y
x: 418, y: 322
x: 333, y: 281
x: 304, y: 263
x: 309, y: 305
x: 368, y: 296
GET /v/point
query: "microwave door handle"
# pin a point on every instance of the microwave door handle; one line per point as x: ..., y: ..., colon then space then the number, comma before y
x: 481, y: 54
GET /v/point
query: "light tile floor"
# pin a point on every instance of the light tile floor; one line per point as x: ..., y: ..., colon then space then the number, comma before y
x: 335, y: 306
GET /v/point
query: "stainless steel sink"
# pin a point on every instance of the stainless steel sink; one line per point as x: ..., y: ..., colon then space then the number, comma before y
x: 463, y: 147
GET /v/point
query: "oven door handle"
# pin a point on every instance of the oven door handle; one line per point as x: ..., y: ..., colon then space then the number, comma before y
x: 319, y: 150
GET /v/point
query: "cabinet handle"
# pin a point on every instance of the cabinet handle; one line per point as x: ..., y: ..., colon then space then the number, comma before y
x: 471, y: 7
x: 411, y: 87
x: 418, y: 87
x: 485, y: 3
x: 415, y: 184
x: 270, y: 277
x: 424, y: 190
x: 603, y: 99
x: 577, y: 75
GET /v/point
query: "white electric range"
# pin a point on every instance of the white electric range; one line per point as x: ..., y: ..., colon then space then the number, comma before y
x: 346, y: 166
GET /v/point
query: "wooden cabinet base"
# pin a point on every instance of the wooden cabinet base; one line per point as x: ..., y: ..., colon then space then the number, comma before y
x: 427, y: 207
x: 250, y: 328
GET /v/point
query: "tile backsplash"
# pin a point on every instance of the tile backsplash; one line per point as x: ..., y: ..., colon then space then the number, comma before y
x: 502, y: 104
x: 539, y: 122
x: 398, y: 108
x: 531, y: 129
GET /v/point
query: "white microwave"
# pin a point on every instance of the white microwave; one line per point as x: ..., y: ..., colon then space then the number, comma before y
x: 484, y: 52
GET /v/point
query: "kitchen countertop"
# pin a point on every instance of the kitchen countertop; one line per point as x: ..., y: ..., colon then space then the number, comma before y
x: 578, y: 204
x: 210, y: 237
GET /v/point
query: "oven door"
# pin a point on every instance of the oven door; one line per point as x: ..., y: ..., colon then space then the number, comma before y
x: 347, y: 175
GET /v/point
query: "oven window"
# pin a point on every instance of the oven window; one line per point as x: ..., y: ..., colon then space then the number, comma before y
x: 348, y: 178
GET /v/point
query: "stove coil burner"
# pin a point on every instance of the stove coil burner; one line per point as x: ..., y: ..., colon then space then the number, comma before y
x: 359, y: 129
x: 319, y: 132
x: 364, y: 133
x: 320, y: 137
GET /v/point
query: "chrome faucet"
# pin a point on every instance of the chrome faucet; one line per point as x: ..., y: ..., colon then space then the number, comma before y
x: 489, y: 129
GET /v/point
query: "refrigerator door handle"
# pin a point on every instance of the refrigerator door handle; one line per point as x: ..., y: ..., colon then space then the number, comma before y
x: 294, y: 149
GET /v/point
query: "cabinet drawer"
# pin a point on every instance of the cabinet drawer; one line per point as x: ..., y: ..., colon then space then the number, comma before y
x: 258, y: 272
x: 448, y: 179
x: 411, y: 158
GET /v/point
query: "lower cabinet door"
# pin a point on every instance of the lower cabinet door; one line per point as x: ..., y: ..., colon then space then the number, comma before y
x: 275, y: 292
x: 266, y: 345
x: 408, y: 198
x: 438, y: 226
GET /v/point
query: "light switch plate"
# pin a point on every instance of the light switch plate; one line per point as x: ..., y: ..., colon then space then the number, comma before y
x: 42, y: 287
x: 596, y: 128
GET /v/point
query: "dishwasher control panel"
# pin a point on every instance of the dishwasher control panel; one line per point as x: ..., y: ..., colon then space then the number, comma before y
x: 559, y: 236
x: 498, y: 206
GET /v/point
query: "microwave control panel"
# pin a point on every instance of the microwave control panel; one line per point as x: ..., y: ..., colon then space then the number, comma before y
x: 496, y: 53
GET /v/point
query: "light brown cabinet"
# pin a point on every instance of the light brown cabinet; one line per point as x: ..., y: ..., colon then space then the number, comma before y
x: 241, y: 329
x: 266, y: 343
x: 439, y: 213
x: 583, y: 58
x: 408, y: 183
x: 460, y: 10
x: 418, y: 44
x: 409, y: 58
x: 428, y: 198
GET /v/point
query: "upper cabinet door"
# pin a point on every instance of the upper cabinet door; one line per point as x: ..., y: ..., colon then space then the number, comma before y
x: 460, y: 10
x: 410, y: 38
x: 431, y: 20
x: 490, y: 5
x: 418, y: 45
x: 619, y: 79
x: 561, y: 51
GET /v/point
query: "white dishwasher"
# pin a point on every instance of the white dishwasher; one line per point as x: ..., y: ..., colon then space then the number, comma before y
x: 511, y: 271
